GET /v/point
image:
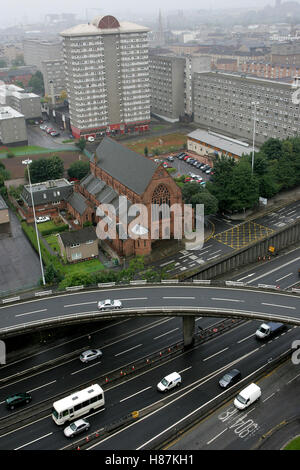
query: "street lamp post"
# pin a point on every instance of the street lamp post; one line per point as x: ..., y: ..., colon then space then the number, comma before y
x: 254, y: 103
x: 27, y: 163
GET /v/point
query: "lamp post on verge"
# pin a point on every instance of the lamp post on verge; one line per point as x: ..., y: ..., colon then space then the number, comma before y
x: 27, y: 163
x: 254, y: 103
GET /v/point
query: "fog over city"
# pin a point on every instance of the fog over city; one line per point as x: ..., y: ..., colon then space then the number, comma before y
x: 15, y: 12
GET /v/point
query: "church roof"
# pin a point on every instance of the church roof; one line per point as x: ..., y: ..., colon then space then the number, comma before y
x: 129, y: 168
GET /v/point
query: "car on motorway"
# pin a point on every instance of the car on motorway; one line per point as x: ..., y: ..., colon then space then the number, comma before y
x: 109, y: 304
x: 77, y: 427
x: 44, y: 218
x: 18, y: 399
x: 90, y: 355
x: 230, y: 378
x: 247, y: 396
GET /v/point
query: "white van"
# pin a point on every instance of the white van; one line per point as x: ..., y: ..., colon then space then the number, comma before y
x: 169, y: 382
x: 247, y: 396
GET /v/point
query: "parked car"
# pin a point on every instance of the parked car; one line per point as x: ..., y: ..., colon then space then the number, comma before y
x: 202, y: 165
x: 90, y: 355
x: 91, y: 139
x: 181, y: 155
x: 205, y: 167
x: 188, y: 179
x: 195, y: 163
x: 230, y: 378
x: 44, y: 218
x: 43, y: 127
x: 166, y: 165
x: 208, y: 171
x: 77, y: 427
x: 54, y: 134
x: 49, y: 130
x: 109, y: 304
x: 186, y: 158
x: 170, y: 158
x: 18, y: 399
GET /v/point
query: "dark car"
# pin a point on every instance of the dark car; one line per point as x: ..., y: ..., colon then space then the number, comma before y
x: 18, y: 399
x: 198, y: 165
x: 181, y: 155
x: 205, y: 167
x: 230, y: 378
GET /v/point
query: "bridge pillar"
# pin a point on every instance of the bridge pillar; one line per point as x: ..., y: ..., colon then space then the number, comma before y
x: 188, y: 330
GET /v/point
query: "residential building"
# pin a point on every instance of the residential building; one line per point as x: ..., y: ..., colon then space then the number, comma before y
x: 5, y: 228
x: 271, y: 71
x: 12, y: 127
x: 78, y: 245
x: 23, y: 74
x: 210, y: 144
x: 54, y: 77
x: 107, y: 77
x: 225, y: 103
x: 167, y: 86
x: 286, y: 53
x: 49, y: 198
x: 27, y: 104
x: 37, y: 50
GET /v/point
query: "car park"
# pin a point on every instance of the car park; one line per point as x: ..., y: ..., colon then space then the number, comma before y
x: 169, y: 382
x: 170, y: 158
x: 186, y: 158
x: 109, y: 304
x: 202, y: 165
x: 90, y: 355
x: 230, y: 378
x: 181, y: 155
x: 44, y: 218
x: 77, y: 427
x: 208, y: 171
x: 205, y: 167
x: 18, y: 399
x: 195, y: 163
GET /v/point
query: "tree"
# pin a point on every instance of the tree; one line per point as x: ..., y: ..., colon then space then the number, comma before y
x: 81, y: 144
x: 272, y: 149
x: 37, y: 83
x: 243, y: 189
x: 223, y: 171
x: 55, y: 167
x: 79, y: 169
x: 45, y: 169
x: 19, y: 83
x: 194, y: 193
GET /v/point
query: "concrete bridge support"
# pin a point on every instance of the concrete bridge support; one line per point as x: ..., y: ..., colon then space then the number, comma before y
x: 188, y: 324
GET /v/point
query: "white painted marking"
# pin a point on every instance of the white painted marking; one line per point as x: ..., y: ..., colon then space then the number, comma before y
x: 168, y: 332
x: 280, y: 279
x: 184, y: 370
x: 85, y: 368
x: 206, y: 359
x: 269, y: 397
x: 218, y: 435
x: 216, y: 256
x: 35, y: 440
x: 180, y: 298
x: 280, y: 306
x: 137, y: 393
x: 227, y: 300
x: 244, y: 339
x: 134, y: 298
x: 79, y: 305
x: 293, y: 378
x: 245, y: 277
x: 127, y: 350
x: 166, y: 264
x: 274, y: 270
x: 31, y: 313
x: 49, y: 383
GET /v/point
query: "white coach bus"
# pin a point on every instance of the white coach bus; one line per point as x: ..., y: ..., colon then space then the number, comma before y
x: 78, y: 404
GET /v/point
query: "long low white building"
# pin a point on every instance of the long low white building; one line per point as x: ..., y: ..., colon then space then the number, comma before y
x: 208, y: 143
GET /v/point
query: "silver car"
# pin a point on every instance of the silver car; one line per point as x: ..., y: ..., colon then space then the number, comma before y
x: 90, y: 355
x: 109, y: 304
x: 77, y: 427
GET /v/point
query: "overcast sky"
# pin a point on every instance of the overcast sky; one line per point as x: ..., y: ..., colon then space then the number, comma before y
x: 28, y: 11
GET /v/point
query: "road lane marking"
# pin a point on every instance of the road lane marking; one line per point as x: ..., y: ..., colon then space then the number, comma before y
x: 293, y: 378
x: 274, y: 270
x: 127, y: 350
x: 137, y: 393
x: 184, y: 370
x: 30, y: 313
x: 79, y: 305
x: 180, y: 298
x: 168, y: 332
x: 206, y: 359
x: 37, y: 388
x: 280, y: 306
x: 85, y: 368
x: 209, y: 442
x: 245, y: 277
x: 244, y: 339
x: 35, y: 440
x: 269, y: 397
x: 280, y: 279
x: 227, y: 300
x: 135, y: 298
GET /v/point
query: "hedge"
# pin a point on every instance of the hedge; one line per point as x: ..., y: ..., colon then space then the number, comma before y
x: 50, y: 231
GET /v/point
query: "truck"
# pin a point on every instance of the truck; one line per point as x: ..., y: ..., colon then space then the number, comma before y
x: 267, y: 330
